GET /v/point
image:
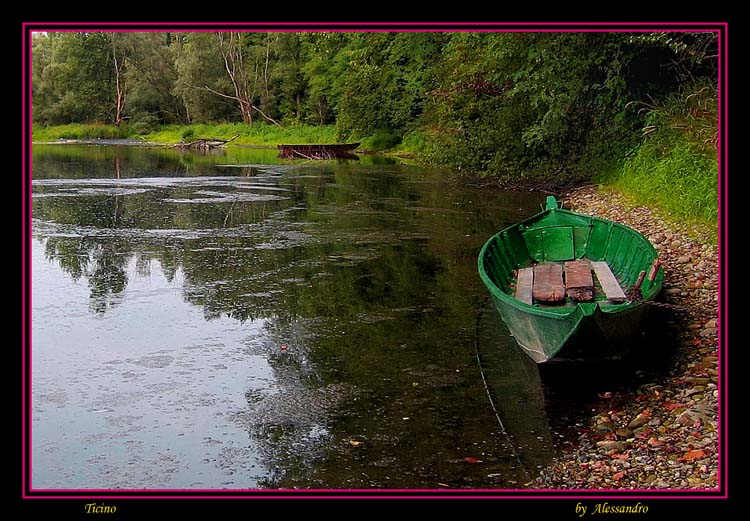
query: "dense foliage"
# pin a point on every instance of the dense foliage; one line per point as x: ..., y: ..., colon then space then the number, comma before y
x: 533, y: 107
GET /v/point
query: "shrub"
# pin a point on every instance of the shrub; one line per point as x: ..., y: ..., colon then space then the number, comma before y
x: 144, y: 122
x: 382, y: 139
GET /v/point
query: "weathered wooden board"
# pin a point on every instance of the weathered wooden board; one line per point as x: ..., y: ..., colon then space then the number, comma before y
x: 609, y: 283
x: 579, y: 284
x: 524, y: 285
x: 548, y: 283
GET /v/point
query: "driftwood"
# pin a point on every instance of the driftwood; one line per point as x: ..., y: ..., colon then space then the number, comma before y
x: 206, y: 143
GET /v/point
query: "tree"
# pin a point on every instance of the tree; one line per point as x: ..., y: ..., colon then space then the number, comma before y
x: 198, y: 63
x: 387, y: 80
x: 73, y: 79
x: 119, y: 57
x: 150, y: 78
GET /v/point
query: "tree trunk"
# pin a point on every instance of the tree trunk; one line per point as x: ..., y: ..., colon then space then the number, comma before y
x: 119, y: 94
x: 119, y: 63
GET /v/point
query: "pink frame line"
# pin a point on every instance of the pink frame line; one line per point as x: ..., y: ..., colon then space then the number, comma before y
x: 587, y: 494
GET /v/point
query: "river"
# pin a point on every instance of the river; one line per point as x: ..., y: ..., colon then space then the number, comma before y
x: 235, y: 321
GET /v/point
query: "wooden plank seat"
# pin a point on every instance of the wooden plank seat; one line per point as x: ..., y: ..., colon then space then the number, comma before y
x: 524, y: 285
x: 579, y: 284
x: 548, y: 283
x: 609, y: 283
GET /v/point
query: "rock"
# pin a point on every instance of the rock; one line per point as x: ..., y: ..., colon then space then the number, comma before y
x: 624, y: 433
x: 684, y: 259
x: 611, y: 445
x: 640, y: 420
x: 685, y: 419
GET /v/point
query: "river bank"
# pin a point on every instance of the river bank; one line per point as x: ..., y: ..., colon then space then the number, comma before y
x: 259, y: 135
x: 664, y: 435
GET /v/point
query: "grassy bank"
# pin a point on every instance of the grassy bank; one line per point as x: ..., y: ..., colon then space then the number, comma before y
x: 80, y: 131
x: 680, y: 181
x: 675, y: 168
x: 258, y: 134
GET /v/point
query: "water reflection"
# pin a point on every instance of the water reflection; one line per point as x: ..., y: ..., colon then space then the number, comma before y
x: 343, y: 298
x: 516, y: 391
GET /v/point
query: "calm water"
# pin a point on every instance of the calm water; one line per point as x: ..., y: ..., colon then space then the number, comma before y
x: 222, y: 321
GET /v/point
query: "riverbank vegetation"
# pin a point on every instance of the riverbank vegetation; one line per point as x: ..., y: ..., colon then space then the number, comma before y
x: 637, y: 111
x: 675, y: 165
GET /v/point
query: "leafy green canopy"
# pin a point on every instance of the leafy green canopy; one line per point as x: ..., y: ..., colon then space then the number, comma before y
x: 533, y: 107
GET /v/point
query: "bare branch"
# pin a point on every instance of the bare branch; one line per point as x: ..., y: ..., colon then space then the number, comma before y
x: 242, y: 102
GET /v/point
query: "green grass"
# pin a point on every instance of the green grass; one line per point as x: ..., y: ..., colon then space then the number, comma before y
x: 414, y: 144
x: 258, y: 134
x: 79, y: 131
x: 678, y: 179
x: 381, y: 139
x: 675, y: 168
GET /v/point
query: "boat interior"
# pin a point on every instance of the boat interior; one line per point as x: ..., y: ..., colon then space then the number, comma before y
x: 560, y: 258
x: 567, y: 283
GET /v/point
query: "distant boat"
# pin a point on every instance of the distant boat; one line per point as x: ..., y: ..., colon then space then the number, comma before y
x: 317, y: 151
x: 539, y: 275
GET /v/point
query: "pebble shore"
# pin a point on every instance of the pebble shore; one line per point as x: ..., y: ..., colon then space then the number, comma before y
x: 665, y: 434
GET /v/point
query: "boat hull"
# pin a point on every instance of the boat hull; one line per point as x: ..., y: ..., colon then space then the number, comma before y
x: 571, y: 330
x: 318, y: 151
x: 578, y: 335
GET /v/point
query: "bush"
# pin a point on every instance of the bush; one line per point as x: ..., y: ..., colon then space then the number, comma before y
x: 144, y: 122
x: 382, y: 139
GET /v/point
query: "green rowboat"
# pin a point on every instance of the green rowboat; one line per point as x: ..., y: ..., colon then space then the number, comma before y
x: 570, y: 286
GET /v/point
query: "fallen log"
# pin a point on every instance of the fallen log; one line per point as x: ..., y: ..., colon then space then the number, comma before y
x: 206, y: 143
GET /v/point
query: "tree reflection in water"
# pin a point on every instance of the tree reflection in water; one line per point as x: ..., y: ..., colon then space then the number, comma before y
x: 363, y: 276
